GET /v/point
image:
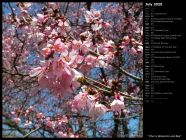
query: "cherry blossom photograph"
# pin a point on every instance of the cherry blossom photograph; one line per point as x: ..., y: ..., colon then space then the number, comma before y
x: 72, y: 69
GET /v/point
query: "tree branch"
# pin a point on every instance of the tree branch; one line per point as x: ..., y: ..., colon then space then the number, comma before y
x: 127, y: 73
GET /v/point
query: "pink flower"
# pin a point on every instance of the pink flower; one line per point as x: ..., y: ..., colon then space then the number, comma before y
x: 47, y: 118
x: 89, y: 62
x: 77, y: 44
x: 23, y: 13
x: 59, y: 77
x: 80, y: 101
x: 59, y: 46
x: 76, y: 75
x: 106, y: 25
x: 63, y: 135
x: 90, y: 101
x: 17, y: 120
x: 65, y: 80
x: 40, y: 115
x: 119, y: 97
x: 41, y: 17
x: 57, y: 67
x: 80, y: 46
x: 50, y: 124
x: 71, y: 135
x: 27, y: 111
x: 86, y: 34
x: 96, y: 27
x: 127, y: 112
x: 59, y: 123
x: 92, y: 15
x: 64, y: 25
x: 126, y: 40
x: 46, y: 51
x: 54, y: 5
x: 108, y: 46
x: 69, y: 57
x: 79, y: 59
x: 140, y: 49
x: 26, y: 5
x: 96, y: 14
x: 54, y: 33
x: 27, y: 124
x: 140, y: 60
x: 85, y: 68
x: 43, y: 81
x: 88, y: 17
x: 48, y: 30
x: 97, y: 110
x: 30, y: 108
x: 117, y: 105
x: 13, y: 113
x: 36, y: 71
x: 64, y: 119
x: 36, y: 125
x: 132, y: 51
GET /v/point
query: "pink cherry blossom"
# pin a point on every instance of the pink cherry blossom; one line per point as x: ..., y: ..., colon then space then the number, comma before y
x: 90, y: 100
x: 48, y: 30
x: 36, y: 126
x: 46, y: 51
x: 96, y: 27
x: 71, y: 135
x: 41, y: 17
x: 64, y: 119
x: 117, y: 105
x: 76, y: 136
x: 82, y: 46
x: 26, y: 5
x: 96, y: 14
x: 63, y: 135
x: 97, y: 110
x: 60, y: 44
x: 54, y: 5
x: 27, y: 124
x: 89, y: 62
x: 70, y: 53
x: 88, y: 17
x: 36, y: 71
x: 140, y: 49
x: 69, y: 58
x: 126, y: 40
x: 50, y: 124
x: 17, y: 120
x: 64, y: 25
x: 40, y: 115
x: 106, y: 25
x: 104, y: 60
x: 92, y: 15
x: 86, y: 34
x: 132, y: 51
x: 80, y: 101
x: 13, y: 112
